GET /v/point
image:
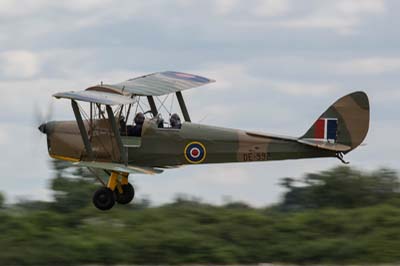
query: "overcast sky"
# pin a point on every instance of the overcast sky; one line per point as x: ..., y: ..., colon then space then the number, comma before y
x: 278, y: 64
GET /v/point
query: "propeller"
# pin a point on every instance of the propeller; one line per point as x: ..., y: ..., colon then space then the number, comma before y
x: 38, y: 125
x: 41, y: 119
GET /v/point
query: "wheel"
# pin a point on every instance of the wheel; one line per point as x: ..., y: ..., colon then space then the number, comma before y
x: 104, y: 199
x: 126, y: 196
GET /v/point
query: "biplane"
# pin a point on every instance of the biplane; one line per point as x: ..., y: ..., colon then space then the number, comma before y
x: 104, y: 138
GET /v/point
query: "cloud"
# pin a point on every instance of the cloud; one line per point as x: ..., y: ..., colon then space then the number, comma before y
x: 10, y: 8
x: 240, y: 76
x: 19, y: 64
x: 223, y: 7
x: 306, y: 89
x: 3, y: 136
x: 13, y: 9
x: 271, y: 8
x: 369, y: 66
x: 239, y: 27
x: 341, y: 16
x: 361, y: 7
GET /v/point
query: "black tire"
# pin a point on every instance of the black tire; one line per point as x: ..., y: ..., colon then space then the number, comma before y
x: 126, y: 196
x: 104, y: 199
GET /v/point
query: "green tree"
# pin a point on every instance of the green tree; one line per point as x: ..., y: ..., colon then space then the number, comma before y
x: 73, y: 187
x: 341, y: 187
x: 2, y: 200
x: 187, y: 231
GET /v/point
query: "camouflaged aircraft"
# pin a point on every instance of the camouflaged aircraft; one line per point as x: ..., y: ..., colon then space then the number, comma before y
x: 105, y: 142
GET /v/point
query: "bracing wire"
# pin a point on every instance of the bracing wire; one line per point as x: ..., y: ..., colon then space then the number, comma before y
x: 86, y: 117
x: 162, y: 104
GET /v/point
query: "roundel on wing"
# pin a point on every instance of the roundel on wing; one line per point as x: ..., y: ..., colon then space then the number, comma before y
x: 195, y: 152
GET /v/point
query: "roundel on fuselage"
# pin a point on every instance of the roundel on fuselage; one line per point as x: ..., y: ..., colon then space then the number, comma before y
x: 195, y: 152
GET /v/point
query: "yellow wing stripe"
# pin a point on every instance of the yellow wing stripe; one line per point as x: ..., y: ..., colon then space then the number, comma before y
x: 64, y: 158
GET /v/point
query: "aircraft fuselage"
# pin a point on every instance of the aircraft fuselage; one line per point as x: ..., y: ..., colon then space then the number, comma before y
x: 165, y: 147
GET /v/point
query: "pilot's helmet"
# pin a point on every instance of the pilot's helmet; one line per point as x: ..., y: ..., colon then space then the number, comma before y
x: 139, y: 118
x: 175, y: 120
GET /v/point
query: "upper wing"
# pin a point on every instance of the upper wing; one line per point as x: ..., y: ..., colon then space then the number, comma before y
x: 155, y: 84
x: 158, y: 84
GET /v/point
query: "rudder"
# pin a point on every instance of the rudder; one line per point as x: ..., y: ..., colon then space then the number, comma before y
x: 345, y: 122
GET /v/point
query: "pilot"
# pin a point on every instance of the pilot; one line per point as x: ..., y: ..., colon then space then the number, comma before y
x: 160, y: 121
x: 137, y: 129
x: 175, y: 121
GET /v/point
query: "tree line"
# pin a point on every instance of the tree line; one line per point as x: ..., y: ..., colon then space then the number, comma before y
x: 341, y: 215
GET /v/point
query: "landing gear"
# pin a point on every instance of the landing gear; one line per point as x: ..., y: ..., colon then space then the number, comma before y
x: 120, y: 191
x: 127, y: 195
x: 104, y: 199
x: 340, y: 156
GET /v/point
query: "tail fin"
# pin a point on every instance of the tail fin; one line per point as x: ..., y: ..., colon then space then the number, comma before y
x: 346, y: 122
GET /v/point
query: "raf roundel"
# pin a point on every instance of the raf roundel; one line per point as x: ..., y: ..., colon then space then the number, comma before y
x: 195, y: 152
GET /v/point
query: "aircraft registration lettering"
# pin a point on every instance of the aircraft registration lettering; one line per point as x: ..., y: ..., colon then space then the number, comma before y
x: 254, y: 156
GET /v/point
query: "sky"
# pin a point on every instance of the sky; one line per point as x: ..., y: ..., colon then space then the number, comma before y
x: 278, y: 64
